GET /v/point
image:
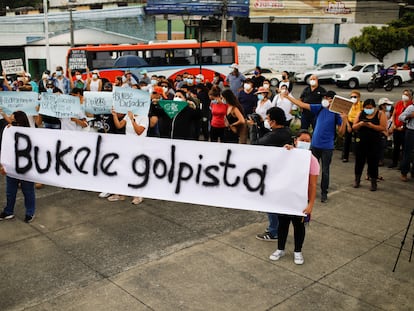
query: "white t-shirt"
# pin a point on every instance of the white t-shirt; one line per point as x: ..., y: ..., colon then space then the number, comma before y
x: 261, y: 109
x: 285, y: 104
x: 141, y: 120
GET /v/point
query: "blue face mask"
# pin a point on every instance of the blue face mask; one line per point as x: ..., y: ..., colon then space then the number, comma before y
x: 369, y: 110
x: 260, y: 96
x: 214, y: 101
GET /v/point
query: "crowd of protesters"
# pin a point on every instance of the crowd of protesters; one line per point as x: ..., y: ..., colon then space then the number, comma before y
x: 235, y: 109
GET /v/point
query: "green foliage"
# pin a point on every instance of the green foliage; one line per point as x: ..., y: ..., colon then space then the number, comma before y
x: 378, y: 42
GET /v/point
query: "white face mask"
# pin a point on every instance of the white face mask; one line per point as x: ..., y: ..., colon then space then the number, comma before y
x: 283, y: 91
x: 178, y: 99
x: 405, y: 98
x: 267, y: 124
x: 325, y: 103
x: 312, y: 82
x: 354, y: 100
x: 78, y: 77
x: 247, y: 87
x: 153, y: 82
x: 266, y: 86
x: 303, y: 145
x: 165, y: 89
x: 94, y: 76
x: 145, y: 88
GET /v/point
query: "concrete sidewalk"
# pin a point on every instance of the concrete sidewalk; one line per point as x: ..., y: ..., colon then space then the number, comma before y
x: 85, y: 253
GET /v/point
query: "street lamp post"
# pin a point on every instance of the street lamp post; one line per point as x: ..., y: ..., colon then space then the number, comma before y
x: 46, y: 34
x: 200, y: 54
x: 70, y: 8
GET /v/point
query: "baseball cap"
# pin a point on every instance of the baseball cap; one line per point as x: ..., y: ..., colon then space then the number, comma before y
x: 384, y: 100
x: 234, y: 66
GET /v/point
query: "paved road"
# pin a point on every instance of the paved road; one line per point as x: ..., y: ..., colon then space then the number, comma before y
x: 85, y: 253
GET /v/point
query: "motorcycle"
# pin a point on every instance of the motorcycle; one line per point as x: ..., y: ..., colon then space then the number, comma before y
x: 379, y: 81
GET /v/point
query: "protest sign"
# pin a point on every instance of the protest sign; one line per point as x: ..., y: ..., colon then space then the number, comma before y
x: 77, y: 60
x: 129, y: 99
x: 205, y: 173
x: 340, y: 104
x: 60, y: 105
x: 24, y: 101
x: 172, y: 107
x: 98, y: 102
x: 12, y: 66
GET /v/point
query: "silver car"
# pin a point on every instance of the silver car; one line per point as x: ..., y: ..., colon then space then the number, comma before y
x: 324, y: 71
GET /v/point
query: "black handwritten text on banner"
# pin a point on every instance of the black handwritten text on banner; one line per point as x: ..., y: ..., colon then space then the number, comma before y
x: 247, y: 177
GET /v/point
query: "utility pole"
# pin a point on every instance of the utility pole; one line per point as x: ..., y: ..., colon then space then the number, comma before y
x: 224, y: 21
x: 46, y: 34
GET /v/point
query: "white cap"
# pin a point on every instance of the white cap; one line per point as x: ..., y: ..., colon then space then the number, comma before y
x: 234, y: 66
x: 200, y: 76
x: 384, y: 100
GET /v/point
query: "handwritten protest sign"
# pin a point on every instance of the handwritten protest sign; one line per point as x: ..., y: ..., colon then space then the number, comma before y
x: 172, y: 107
x: 77, y: 60
x: 206, y: 173
x: 24, y: 101
x: 340, y: 104
x: 12, y: 66
x: 60, y: 105
x: 98, y: 102
x: 128, y: 99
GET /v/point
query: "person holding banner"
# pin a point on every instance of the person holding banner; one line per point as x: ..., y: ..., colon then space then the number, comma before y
x: 302, y: 141
x: 78, y: 82
x: 61, y: 81
x: 134, y: 125
x: 19, y: 118
x: 278, y: 136
x: 326, y: 125
x: 75, y: 123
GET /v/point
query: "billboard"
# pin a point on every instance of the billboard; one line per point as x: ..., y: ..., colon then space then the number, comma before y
x: 200, y: 8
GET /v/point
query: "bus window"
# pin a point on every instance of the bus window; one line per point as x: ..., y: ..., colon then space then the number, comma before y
x: 103, y: 59
x: 182, y: 57
x: 227, y: 55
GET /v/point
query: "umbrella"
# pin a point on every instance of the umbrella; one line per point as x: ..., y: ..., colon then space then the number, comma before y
x: 130, y: 61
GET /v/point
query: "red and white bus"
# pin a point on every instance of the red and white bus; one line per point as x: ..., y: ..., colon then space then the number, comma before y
x: 167, y: 58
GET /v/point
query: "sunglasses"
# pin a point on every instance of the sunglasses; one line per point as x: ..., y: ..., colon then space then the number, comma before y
x: 354, y: 97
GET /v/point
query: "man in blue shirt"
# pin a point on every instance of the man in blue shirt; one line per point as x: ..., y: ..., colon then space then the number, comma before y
x: 323, y: 138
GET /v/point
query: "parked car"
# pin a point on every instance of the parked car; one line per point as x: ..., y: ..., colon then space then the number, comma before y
x: 360, y: 75
x: 272, y: 75
x: 324, y: 71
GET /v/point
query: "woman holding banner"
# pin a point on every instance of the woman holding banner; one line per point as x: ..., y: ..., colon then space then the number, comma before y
x: 134, y: 125
x: 19, y: 118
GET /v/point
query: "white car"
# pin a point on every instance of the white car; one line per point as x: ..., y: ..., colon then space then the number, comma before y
x: 359, y: 75
x: 272, y: 75
x: 324, y: 71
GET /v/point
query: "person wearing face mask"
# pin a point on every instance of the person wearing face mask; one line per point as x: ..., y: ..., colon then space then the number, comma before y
x: 167, y: 92
x: 408, y: 118
x: 218, y: 114
x: 258, y: 78
x: 278, y: 136
x: 323, y: 141
x: 94, y: 83
x: 77, y: 81
x: 248, y: 100
x: 282, y: 102
x: 263, y: 102
x: 61, y: 81
x: 218, y: 81
x: 369, y: 124
x: 42, y: 83
x: 302, y: 141
x: 286, y: 81
x: 397, y: 127
x: 356, y: 108
x: 235, y: 79
x: 385, y: 106
x: 312, y: 94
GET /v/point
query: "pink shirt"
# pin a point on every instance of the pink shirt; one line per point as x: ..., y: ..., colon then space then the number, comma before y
x: 314, y: 166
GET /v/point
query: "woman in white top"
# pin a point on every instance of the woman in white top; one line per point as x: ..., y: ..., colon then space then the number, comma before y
x: 284, y: 104
x: 134, y: 125
x: 94, y: 84
x: 263, y: 102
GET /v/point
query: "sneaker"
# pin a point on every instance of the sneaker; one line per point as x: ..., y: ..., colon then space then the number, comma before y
x: 116, y: 197
x: 324, y: 198
x: 277, y: 255
x: 137, y: 200
x: 298, y: 258
x: 104, y: 195
x: 28, y: 218
x: 4, y: 216
x: 404, y: 177
x: 266, y: 237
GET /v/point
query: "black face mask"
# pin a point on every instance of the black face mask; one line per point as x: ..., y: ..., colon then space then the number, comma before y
x: 284, y: 77
x: 14, y: 123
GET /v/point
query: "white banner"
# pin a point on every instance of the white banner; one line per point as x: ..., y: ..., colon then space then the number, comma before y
x: 237, y: 176
x: 12, y: 66
x: 60, y: 105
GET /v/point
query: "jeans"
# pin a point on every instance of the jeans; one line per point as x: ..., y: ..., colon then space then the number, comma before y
x: 273, y: 224
x: 408, y: 149
x: 28, y: 192
x: 324, y: 156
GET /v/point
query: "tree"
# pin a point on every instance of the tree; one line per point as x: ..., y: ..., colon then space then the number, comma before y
x: 378, y: 42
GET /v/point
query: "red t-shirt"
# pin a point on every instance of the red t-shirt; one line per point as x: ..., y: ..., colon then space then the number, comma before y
x: 398, y: 109
x: 218, y: 113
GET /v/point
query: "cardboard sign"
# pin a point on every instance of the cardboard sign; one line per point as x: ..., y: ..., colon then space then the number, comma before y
x: 60, y: 105
x: 340, y: 105
x: 172, y: 107
x: 203, y: 173
x: 24, y: 101
x: 128, y: 99
x: 12, y: 66
x: 77, y: 60
x: 98, y: 102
